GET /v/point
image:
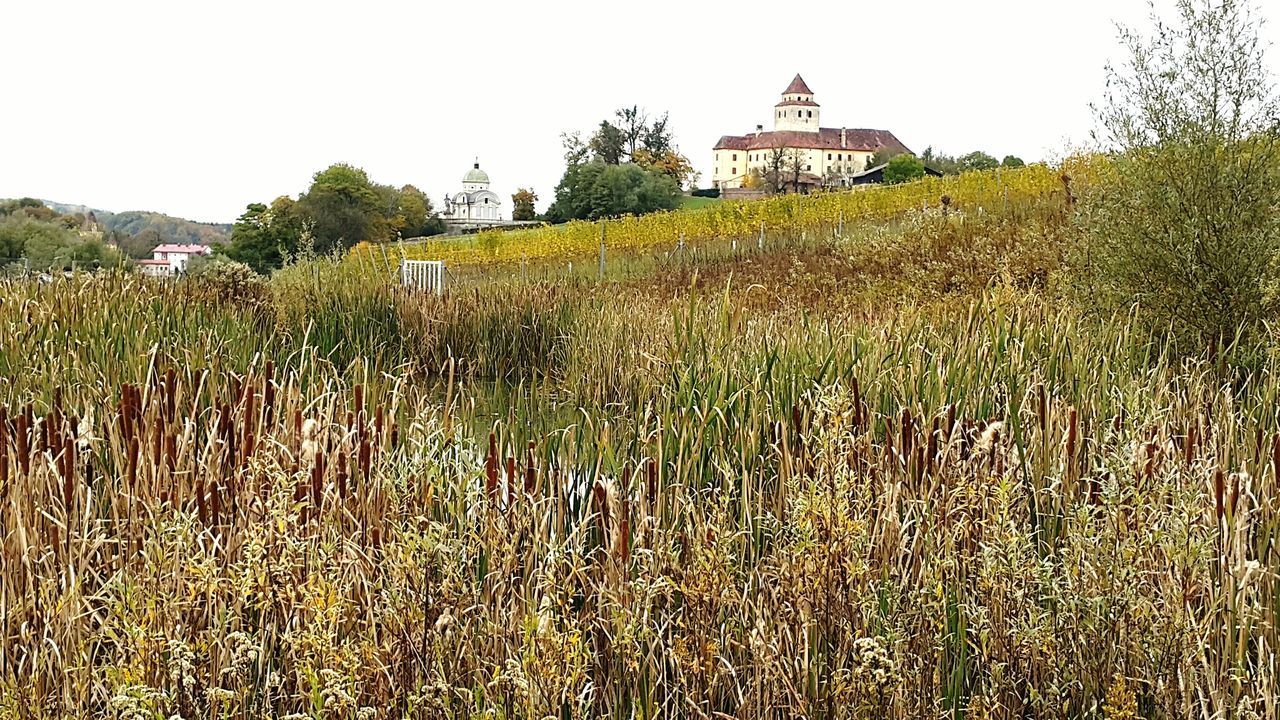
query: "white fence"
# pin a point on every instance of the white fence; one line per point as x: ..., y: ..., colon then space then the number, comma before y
x: 423, y: 275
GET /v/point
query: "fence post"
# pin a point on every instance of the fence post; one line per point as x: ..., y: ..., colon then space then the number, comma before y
x: 602, y: 250
x: 840, y: 224
x: 761, y: 241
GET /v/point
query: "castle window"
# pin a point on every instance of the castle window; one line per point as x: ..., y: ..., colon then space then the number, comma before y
x: 840, y: 156
x: 810, y: 112
x: 735, y: 156
x: 828, y: 156
x: 808, y: 167
x: 735, y: 171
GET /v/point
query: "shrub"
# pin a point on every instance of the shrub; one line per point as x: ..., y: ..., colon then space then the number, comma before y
x: 1185, y: 224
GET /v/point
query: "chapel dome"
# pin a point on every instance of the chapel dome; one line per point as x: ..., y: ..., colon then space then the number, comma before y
x: 476, y: 175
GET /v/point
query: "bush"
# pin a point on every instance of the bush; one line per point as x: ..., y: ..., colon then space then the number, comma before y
x: 706, y: 192
x: 1185, y: 224
x: 903, y: 168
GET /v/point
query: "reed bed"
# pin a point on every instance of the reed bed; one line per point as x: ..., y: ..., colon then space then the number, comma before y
x: 326, y: 498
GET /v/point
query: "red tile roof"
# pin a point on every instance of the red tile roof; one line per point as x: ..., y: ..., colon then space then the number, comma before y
x: 859, y: 139
x: 171, y: 248
x: 786, y: 103
x: 797, y: 87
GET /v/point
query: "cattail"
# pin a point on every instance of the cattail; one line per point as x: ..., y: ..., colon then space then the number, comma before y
x: 268, y: 391
x: 309, y: 448
x: 530, y: 471
x: 201, y: 508
x: 24, y: 449
x: 377, y: 424
x: 317, y: 478
x: 601, y: 494
x: 171, y: 394
x: 651, y: 470
x: 215, y: 503
x: 491, y: 468
x: 366, y: 463
x: 1042, y: 407
x: 1218, y: 493
x: 623, y: 541
x: 1073, y: 432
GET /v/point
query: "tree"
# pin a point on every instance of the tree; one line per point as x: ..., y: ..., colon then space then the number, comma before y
x: 608, y: 145
x: 413, y: 215
x: 1012, y: 161
x: 668, y: 162
x: 264, y: 236
x: 522, y: 204
x: 1186, y: 222
x: 882, y: 157
x: 345, y: 208
x: 595, y: 190
x: 903, y: 168
x: 977, y: 160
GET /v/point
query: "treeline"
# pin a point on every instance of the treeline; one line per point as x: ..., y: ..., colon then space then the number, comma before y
x: 41, y: 238
x: 341, y: 208
x: 163, y: 228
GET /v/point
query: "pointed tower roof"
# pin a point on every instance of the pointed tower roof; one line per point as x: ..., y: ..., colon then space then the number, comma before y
x: 797, y: 87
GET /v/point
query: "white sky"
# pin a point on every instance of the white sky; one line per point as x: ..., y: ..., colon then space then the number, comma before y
x: 197, y: 109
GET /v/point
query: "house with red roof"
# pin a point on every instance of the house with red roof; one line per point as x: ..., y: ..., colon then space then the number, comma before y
x: 798, y: 141
x: 168, y: 260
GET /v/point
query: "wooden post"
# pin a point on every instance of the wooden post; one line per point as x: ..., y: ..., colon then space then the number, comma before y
x: 602, y: 250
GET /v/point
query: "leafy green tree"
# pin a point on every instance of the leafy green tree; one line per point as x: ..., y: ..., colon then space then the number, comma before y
x: 47, y: 245
x: 413, y: 214
x: 903, y: 168
x: 264, y: 236
x: 977, y: 160
x: 1186, y: 222
x: 522, y: 204
x: 1012, y: 161
x: 597, y: 190
x: 20, y: 236
x: 344, y: 208
x: 608, y: 144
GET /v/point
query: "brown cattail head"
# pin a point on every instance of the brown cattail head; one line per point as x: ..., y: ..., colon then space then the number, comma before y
x: 491, y: 468
x: 530, y: 470
x: 1073, y: 434
x: 1219, y: 499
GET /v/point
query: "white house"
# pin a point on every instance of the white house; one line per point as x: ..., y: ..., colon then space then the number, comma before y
x: 168, y: 260
x: 476, y: 204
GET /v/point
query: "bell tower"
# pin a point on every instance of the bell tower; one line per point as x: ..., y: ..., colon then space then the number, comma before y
x: 797, y: 111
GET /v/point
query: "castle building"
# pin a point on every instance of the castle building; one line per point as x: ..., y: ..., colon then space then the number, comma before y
x: 823, y: 153
x: 476, y: 204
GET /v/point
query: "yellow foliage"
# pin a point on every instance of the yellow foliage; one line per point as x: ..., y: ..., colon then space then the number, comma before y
x: 745, y: 218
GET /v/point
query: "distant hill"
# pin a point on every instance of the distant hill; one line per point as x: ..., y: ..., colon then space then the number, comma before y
x: 152, y: 226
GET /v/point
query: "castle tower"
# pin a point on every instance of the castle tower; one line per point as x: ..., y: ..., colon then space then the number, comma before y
x: 797, y: 111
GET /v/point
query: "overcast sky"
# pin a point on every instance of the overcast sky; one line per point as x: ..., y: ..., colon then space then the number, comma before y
x: 197, y: 109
